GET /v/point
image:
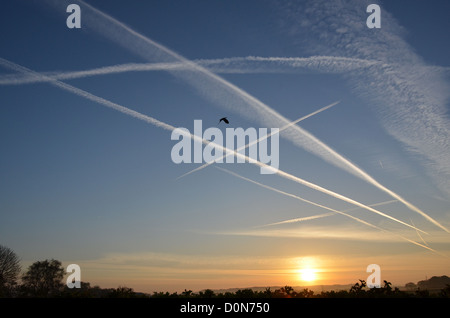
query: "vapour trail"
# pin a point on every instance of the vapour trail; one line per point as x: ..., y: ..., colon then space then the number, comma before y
x: 228, y: 95
x: 419, y: 234
x: 232, y: 65
x: 264, y: 137
x: 106, y: 70
x: 241, y: 65
x: 306, y: 218
x: 168, y: 127
x: 410, y: 96
x: 287, y: 194
x: 327, y: 208
x: 82, y: 93
x: 319, y: 216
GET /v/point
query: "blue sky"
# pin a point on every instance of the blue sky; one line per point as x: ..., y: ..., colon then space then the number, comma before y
x: 86, y: 184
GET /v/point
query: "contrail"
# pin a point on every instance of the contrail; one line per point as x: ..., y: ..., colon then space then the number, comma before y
x: 301, y: 199
x: 94, y: 98
x: 306, y: 218
x: 319, y: 216
x: 231, y: 65
x: 107, y: 70
x: 264, y: 137
x: 327, y: 208
x: 375, y: 204
x: 241, y: 65
x: 412, y: 103
x: 419, y: 234
x: 168, y: 127
x: 228, y: 95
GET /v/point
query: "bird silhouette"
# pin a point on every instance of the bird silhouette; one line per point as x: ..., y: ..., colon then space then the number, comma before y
x: 225, y: 120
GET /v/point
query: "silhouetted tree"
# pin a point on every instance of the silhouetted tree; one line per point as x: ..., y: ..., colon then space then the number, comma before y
x: 9, y: 271
x: 358, y: 288
x: 43, y: 279
x: 422, y: 293
x: 306, y: 293
x: 287, y: 290
x: 227, y: 295
x: 387, y: 286
x: 245, y: 293
x: 85, y: 291
x: 187, y: 293
x: 267, y: 293
x: 207, y: 293
x: 445, y: 292
x: 122, y: 292
x: 161, y: 294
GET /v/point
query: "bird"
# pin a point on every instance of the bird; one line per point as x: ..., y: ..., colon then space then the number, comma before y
x: 225, y: 120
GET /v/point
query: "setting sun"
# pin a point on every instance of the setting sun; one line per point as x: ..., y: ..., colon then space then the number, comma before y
x: 307, y: 274
x: 307, y: 268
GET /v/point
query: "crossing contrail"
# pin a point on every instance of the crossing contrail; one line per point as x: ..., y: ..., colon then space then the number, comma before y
x: 306, y: 218
x: 241, y: 65
x: 319, y: 216
x: 92, y: 97
x: 229, y: 65
x: 327, y: 208
x: 160, y: 124
x: 419, y: 234
x: 106, y: 70
x: 263, y: 137
x: 228, y: 95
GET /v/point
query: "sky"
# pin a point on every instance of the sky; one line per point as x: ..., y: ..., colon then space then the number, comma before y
x: 86, y: 117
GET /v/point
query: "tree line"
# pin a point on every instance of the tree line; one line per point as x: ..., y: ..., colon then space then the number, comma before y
x: 358, y: 290
x: 44, y: 279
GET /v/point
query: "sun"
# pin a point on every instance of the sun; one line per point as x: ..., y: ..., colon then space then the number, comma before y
x: 307, y: 274
x: 307, y: 268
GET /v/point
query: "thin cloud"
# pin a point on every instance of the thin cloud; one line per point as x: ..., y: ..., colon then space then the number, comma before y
x: 323, y: 215
x: 410, y: 96
x: 419, y: 234
x: 160, y: 124
x: 327, y: 208
x: 265, y: 137
x: 303, y: 219
x: 231, y: 65
x: 234, y: 65
x: 226, y: 94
